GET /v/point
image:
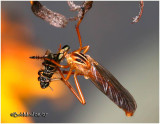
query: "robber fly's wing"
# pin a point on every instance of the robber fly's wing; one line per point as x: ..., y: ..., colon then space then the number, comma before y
x: 111, y: 87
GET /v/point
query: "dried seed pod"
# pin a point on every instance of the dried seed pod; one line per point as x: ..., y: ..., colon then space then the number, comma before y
x: 82, y: 9
x: 137, y: 18
x: 73, y: 6
x: 54, y: 18
x: 57, y: 19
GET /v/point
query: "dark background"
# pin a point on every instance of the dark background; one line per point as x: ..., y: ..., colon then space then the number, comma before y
x: 128, y: 51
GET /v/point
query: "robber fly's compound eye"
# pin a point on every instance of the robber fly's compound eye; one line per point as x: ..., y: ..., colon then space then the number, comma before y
x: 62, y: 51
x: 60, y: 56
x: 66, y: 48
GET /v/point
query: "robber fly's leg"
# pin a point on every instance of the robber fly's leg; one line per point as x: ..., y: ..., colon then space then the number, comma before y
x: 86, y: 48
x: 79, y: 36
x: 78, y: 33
x: 56, y: 79
x: 68, y: 75
x: 53, y: 61
x: 79, y: 90
x: 31, y: 2
x: 71, y: 88
x: 66, y: 72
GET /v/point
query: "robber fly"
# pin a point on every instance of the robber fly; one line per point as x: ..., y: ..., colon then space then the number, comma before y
x: 79, y: 63
x: 45, y: 75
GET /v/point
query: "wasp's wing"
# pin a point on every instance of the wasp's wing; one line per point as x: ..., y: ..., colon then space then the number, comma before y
x: 110, y: 86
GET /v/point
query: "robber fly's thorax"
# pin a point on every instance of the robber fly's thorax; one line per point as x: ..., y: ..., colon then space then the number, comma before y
x: 78, y: 61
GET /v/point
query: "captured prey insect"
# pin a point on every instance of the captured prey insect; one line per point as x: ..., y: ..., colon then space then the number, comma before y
x: 45, y: 75
x: 79, y: 63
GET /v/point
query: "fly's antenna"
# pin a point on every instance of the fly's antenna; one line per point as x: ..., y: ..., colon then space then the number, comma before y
x: 37, y: 57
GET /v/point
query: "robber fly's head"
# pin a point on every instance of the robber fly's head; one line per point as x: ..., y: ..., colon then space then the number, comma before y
x: 63, y: 52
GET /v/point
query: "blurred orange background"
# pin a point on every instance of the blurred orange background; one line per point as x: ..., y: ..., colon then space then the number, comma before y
x: 19, y: 84
x: 129, y: 51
